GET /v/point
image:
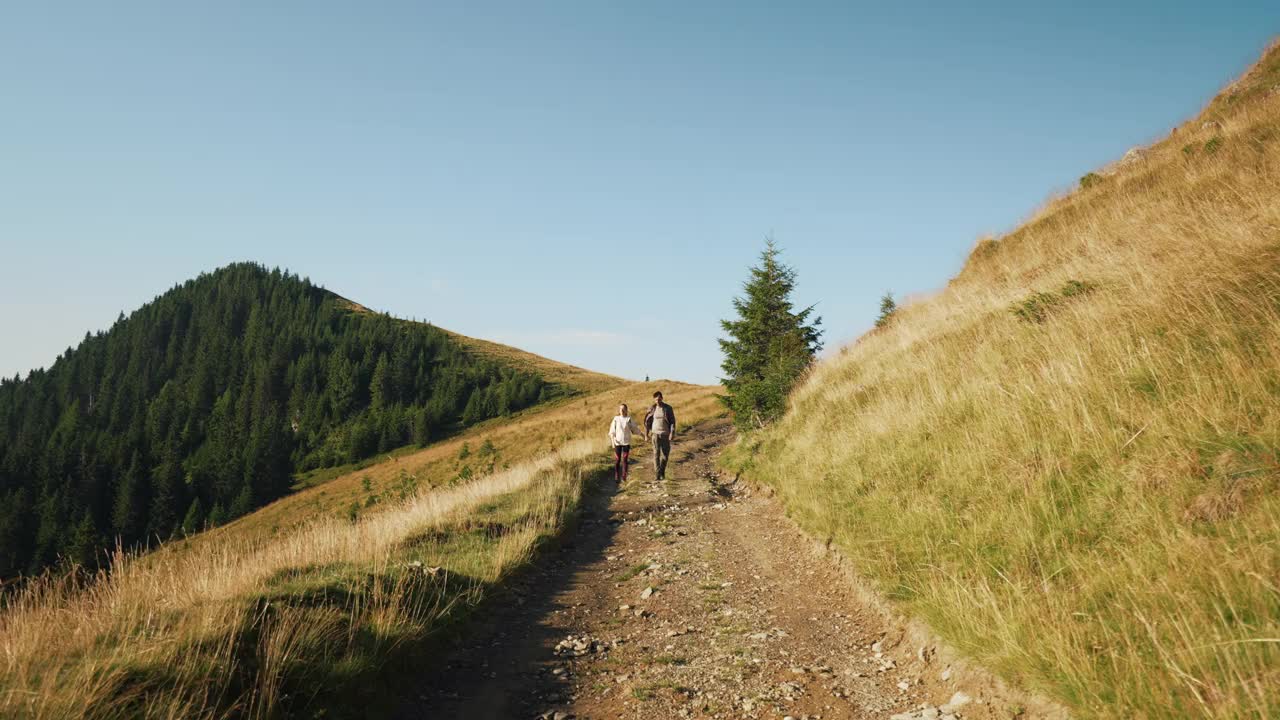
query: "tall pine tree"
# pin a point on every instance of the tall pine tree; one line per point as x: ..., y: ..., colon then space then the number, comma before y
x: 128, y: 515
x: 769, y: 345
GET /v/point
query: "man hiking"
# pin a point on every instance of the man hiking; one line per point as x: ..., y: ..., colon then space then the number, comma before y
x: 660, y: 423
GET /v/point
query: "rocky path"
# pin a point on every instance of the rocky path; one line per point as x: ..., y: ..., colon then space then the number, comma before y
x: 693, y: 598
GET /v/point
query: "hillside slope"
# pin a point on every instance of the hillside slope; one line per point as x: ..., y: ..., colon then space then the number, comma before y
x: 495, y: 445
x: 311, y: 606
x: 203, y: 404
x: 553, y: 371
x: 1067, y: 460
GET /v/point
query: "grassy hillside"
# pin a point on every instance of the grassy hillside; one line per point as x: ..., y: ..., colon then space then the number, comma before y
x: 296, y: 610
x: 494, y: 445
x: 553, y: 371
x: 1067, y: 461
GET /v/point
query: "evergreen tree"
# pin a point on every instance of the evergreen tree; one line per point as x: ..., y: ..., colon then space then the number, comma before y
x: 166, y: 500
x: 50, y: 528
x: 887, y: 308
x: 243, y: 502
x: 342, y: 385
x: 128, y: 515
x: 217, y: 516
x: 16, y: 532
x: 381, y: 388
x: 193, y: 522
x: 421, y: 427
x: 769, y: 344
x: 85, y: 543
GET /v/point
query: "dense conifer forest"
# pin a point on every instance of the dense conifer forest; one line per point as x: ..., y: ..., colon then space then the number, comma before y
x: 202, y: 405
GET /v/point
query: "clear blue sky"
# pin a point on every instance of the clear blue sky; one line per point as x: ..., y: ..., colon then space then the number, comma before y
x: 586, y: 180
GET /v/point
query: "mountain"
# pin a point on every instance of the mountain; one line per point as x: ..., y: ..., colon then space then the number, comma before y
x: 1067, y: 460
x: 202, y: 405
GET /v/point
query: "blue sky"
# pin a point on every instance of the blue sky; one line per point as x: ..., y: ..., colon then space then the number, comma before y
x: 589, y: 180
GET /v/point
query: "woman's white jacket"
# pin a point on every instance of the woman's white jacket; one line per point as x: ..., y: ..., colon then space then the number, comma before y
x: 621, y: 430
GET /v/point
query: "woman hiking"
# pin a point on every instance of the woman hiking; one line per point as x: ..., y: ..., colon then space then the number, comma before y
x: 620, y: 432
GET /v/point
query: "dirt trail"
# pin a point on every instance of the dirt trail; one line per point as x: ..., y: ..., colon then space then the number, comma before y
x: 689, y: 598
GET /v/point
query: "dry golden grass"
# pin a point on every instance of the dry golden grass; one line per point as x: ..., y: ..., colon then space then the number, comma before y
x: 1087, y: 503
x: 216, y: 629
x: 552, y: 371
x: 570, y: 376
x: 297, y: 607
x: 514, y: 439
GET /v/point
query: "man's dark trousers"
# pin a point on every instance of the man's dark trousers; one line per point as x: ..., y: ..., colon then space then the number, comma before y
x: 661, y: 452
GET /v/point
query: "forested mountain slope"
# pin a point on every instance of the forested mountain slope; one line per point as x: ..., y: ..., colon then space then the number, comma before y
x: 202, y: 404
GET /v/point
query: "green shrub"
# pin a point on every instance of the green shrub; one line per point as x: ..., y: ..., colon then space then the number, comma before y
x: 986, y: 246
x: 1036, y: 307
x: 1089, y: 180
x: 1212, y: 145
x: 1071, y: 288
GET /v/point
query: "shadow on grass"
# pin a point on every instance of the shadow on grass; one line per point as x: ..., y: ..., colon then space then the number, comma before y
x: 342, y: 641
x: 483, y: 663
x: 315, y: 642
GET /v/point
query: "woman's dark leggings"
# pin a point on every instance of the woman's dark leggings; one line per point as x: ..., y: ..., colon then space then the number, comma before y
x: 621, y: 453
